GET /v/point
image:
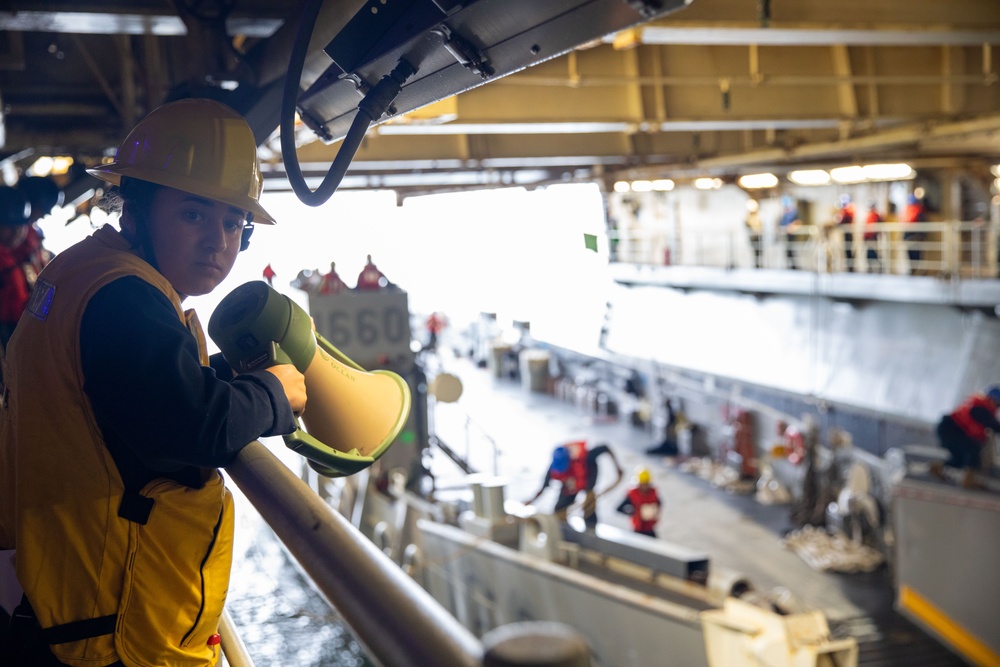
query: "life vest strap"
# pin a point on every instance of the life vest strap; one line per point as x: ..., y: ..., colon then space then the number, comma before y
x: 67, y: 632
x: 77, y: 630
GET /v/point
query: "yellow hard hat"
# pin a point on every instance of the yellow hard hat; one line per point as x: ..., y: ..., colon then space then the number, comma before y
x: 644, y: 477
x: 194, y: 145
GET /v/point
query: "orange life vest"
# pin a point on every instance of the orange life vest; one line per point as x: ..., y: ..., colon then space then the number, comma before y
x: 963, y: 416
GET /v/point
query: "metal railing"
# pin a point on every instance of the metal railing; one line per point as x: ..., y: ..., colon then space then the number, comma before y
x: 397, y: 621
x: 944, y: 249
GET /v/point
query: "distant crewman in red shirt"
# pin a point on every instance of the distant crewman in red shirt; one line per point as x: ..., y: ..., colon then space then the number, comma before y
x: 964, y: 432
x: 269, y: 275
x: 845, y: 218
x: 371, y: 278
x: 435, y: 325
x: 22, y: 258
x: 871, y: 236
x: 331, y: 282
x: 642, y: 503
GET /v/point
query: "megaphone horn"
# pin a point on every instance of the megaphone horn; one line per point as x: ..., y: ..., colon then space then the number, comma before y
x: 352, y: 416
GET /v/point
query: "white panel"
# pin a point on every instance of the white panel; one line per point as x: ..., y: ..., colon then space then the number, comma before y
x: 909, y: 360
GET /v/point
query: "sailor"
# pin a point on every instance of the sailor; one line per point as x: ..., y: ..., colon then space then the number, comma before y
x: 22, y: 256
x: 331, y: 282
x: 269, y: 275
x: 574, y: 466
x: 965, y: 431
x: 114, y: 424
x: 371, y: 278
x: 642, y: 503
x: 436, y: 322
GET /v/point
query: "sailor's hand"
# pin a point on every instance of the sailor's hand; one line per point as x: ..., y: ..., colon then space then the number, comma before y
x: 294, y: 384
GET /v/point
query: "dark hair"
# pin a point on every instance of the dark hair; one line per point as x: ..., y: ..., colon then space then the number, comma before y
x: 42, y: 192
x: 132, y: 191
x: 14, y: 208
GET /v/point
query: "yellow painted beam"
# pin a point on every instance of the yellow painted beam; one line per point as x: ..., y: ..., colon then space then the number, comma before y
x: 961, y: 639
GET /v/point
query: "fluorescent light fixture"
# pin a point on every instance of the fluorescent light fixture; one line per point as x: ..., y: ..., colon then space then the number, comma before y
x: 809, y: 177
x: 852, y: 174
x: 749, y: 124
x: 622, y: 186
x: 663, y: 185
x: 41, y: 167
x: 757, y: 181
x: 708, y: 183
x: 504, y: 128
x: 46, y: 165
x: 887, y: 172
x: 642, y: 186
x: 995, y: 169
x: 814, y: 37
x: 61, y: 164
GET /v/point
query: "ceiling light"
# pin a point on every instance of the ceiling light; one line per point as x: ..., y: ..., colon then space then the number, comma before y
x: 642, y: 186
x: 663, y: 185
x: 887, y: 172
x: 622, y: 186
x: 61, y: 164
x: 853, y: 174
x: 708, y: 183
x: 505, y: 128
x: 995, y: 169
x: 809, y: 177
x: 757, y: 181
x: 41, y: 167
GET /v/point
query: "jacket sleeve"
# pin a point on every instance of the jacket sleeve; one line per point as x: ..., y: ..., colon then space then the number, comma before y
x: 150, y: 393
x: 985, y: 417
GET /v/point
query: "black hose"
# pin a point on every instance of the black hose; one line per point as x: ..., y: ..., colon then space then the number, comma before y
x: 371, y: 108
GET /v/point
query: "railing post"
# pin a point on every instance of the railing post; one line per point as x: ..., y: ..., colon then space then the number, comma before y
x: 399, y: 622
x: 537, y: 644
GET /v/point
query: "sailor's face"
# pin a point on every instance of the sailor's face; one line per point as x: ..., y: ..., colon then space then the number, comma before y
x: 196, y: 240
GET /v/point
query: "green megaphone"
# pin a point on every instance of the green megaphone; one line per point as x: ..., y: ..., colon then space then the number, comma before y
x: 352, y: 416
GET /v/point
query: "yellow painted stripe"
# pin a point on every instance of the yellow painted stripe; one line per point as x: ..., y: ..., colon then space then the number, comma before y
x: 964, y: 642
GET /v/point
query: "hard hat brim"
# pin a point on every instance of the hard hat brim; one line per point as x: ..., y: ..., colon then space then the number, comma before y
x: 112, y: 173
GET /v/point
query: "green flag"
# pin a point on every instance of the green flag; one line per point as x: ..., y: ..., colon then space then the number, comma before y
x: 590, y: 241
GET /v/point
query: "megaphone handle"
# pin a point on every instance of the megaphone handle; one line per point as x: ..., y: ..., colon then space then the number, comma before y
x: 330, y: 349
x: 345, y: 463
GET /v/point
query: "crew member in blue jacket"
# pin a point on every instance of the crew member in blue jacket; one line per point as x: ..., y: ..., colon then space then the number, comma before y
x: 574, y: 466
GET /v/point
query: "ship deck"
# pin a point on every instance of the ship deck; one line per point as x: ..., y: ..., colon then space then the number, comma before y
x: 280, y: 615
x: 738, y: 533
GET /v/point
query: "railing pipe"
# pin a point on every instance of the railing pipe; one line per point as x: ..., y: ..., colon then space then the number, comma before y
x: 233, y: 647
x: 398, y: 622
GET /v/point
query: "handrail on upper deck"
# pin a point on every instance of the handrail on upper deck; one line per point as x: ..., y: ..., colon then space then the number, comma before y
x: 952, y: 249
